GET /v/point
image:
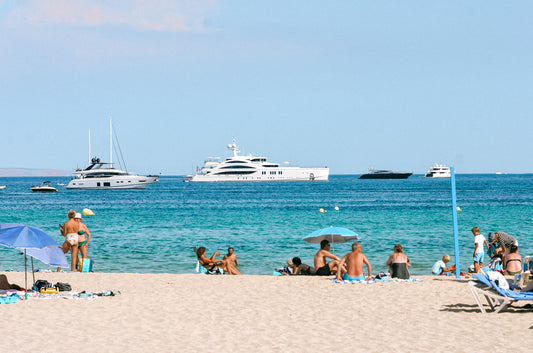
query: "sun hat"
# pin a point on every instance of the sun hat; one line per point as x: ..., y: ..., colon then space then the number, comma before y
x: 78, y: 215
x: 289, y: 261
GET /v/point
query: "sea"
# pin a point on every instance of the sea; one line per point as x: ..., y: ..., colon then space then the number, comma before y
x: 154, y: 230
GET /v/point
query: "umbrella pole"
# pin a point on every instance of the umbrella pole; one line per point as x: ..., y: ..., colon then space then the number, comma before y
x: 32, y: 270
x: 25, y: 271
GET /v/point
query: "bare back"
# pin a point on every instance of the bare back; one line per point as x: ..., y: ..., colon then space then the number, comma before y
x: 354, y: 264
x: 71, y: 226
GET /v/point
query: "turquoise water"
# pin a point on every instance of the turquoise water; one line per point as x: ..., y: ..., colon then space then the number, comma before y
x: 154, y: 230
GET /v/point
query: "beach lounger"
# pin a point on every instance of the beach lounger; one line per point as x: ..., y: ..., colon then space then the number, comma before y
x: 497, y: 297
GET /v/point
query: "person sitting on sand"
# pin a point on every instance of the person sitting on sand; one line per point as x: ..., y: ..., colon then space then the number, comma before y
x: 212, y: 264
x: 4, y: 284
x: 298, y: 268
x: 513, y: 261
x: 324, y: 268
x: 351, y: 265
x: 231, y: 257
x: 439, y: 267
x: 398, y: 263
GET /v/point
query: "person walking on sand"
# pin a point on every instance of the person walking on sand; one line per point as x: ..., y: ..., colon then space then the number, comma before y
x: 479, y: 251
x: 70, y: 231
x: 324, y: 268
x: 353, y: 263
x: 84, y: 237
x: 231, y: 258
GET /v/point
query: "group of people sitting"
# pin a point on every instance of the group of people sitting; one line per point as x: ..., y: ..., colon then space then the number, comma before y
x: 350, y: 267
x: 227, y: 265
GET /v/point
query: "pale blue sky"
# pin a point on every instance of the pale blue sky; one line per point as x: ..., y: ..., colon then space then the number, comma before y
x: 347, y: 84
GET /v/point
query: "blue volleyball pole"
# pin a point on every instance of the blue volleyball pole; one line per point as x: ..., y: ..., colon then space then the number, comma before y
x: 455, y: 227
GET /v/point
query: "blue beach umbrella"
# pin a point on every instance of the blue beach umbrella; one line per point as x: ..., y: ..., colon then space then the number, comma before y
x: 332, y: 234
x: 34, y: 242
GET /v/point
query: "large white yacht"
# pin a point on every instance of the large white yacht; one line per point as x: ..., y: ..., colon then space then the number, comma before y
x: 102, y: 175
x: 439, y: 171
x: 252, y: 168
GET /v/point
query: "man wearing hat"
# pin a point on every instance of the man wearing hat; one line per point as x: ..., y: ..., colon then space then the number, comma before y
x: 503, y: 242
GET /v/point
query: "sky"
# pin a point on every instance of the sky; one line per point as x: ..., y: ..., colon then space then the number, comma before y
x: 350, y: 85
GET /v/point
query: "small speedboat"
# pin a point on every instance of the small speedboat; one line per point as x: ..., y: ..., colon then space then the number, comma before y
x: 46, y: 186
x: 2, y: 187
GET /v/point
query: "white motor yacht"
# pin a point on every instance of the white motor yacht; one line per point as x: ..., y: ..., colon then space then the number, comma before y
x: 252, y: 168
x: 439, y: 171
x: 101, y: 175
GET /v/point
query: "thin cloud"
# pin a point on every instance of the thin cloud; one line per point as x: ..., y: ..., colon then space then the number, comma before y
x: 161, y: 15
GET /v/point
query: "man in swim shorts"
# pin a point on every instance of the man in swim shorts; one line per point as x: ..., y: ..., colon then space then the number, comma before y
x: 68, y: 230
x: 351, y: 265
x: 323, y: 268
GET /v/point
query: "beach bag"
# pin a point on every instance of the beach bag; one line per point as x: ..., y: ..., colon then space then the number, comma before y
x: 40, y: 283
x: 63, y: 287
x: 85, y: 265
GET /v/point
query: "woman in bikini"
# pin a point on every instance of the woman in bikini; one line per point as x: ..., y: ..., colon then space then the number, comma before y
x: 513, y: 261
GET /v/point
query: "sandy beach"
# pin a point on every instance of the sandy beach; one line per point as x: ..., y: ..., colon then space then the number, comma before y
x: 192, y: 312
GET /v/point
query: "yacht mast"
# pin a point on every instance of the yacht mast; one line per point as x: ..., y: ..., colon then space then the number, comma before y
x: 89, y: 146
x: 110, y: 143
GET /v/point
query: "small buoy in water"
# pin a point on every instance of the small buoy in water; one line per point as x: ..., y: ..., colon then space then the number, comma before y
x: 321, y: 210
x: 459, y: 208
x: 87, y: 212
x: 336, y: 208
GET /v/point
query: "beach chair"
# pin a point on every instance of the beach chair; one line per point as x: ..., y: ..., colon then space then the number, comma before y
x: 202, y: 269
x: 497, y: 297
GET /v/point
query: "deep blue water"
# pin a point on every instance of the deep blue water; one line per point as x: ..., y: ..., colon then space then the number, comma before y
x: 154, y: 230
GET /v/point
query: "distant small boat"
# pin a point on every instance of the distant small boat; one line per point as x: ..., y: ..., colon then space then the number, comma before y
x: 2, y: 187
x: 384, y: 174
x: 60, y: 184
x: 44, y: 187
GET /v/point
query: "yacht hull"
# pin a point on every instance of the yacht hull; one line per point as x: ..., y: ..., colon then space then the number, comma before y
x: 128, y: 182
x: 278, y: 174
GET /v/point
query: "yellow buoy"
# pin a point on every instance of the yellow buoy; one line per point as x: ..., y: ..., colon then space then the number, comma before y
x: 87, y: 212
x: 321, y: 210
x: 459, y: 208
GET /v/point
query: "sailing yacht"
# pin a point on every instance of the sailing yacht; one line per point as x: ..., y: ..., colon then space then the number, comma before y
x: 103, y: 175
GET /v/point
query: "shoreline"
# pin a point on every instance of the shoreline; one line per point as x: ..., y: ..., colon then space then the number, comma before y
x: 182, y: 312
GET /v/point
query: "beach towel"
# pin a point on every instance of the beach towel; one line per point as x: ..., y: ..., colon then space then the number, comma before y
x: 85, y: 265
x: 383, y: 280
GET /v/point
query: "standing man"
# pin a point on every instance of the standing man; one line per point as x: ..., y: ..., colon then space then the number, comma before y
x: 70, y: 231
x: 324, y: 268
x: 354, y: 265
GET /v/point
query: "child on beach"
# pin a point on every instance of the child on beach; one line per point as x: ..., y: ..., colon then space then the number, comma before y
x: 439, y: 267
x: 479, y: 250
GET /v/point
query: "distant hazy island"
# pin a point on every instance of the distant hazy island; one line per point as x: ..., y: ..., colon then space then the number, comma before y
x: 18, y: 172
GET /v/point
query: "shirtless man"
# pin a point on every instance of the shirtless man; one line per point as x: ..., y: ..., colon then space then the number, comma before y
x: 70, y: 231
x: 324, y: 268
x: 231, y: 258
x: 353, y: 262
